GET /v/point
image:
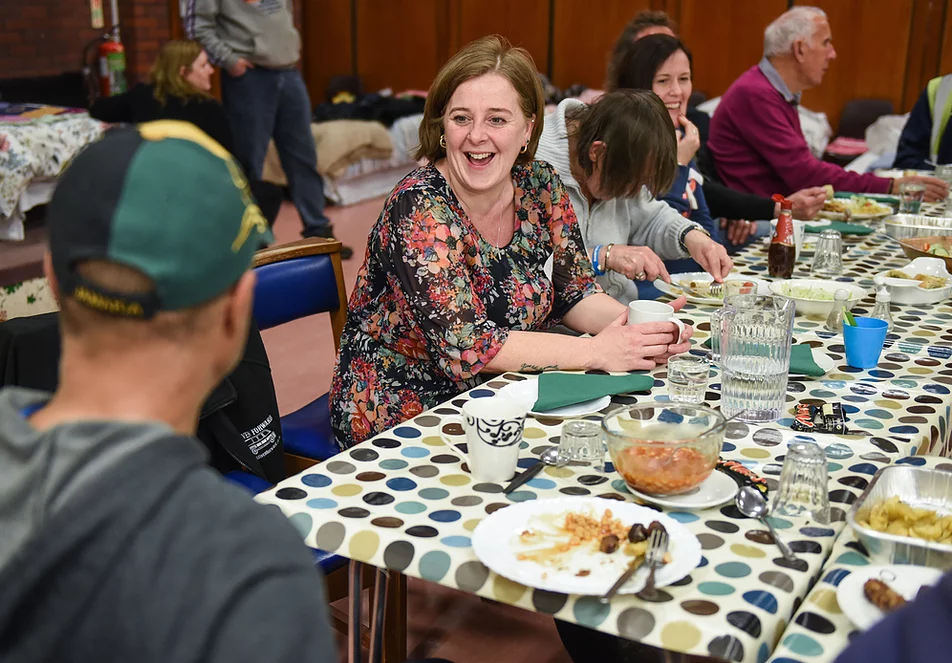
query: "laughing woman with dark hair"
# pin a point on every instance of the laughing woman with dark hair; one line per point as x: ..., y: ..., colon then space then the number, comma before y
x: 614, y: 157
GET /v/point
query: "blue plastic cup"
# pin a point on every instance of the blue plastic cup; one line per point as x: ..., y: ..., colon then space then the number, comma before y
x: 864, y: 342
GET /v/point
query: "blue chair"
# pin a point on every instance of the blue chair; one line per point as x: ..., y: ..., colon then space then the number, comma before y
x: 328, y: 562
x: 295, y: 281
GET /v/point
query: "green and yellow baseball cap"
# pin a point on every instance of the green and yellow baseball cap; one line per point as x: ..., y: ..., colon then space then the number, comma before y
x: 162, y: 198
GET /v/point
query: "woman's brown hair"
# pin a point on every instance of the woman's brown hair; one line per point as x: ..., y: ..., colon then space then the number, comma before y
x: 166, y: 71
x: 492, y: 54
x: 640, y: 147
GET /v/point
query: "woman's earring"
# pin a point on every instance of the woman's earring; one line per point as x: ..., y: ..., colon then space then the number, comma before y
x: 443, y: 141
x: 524, y: 148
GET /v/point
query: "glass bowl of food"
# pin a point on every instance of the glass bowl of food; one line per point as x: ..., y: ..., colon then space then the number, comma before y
x: 664, y: 448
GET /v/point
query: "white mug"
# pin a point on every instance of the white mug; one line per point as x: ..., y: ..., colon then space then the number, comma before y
x: 493, y: 428
x: 650, y: 311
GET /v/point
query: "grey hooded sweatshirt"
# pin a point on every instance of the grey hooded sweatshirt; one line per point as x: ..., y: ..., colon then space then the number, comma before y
x: 261, y: 31
x: 641, y: 221
x: 118, y: 543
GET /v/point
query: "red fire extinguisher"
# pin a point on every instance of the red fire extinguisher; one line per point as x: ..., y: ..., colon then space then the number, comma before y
x: 112, y: 65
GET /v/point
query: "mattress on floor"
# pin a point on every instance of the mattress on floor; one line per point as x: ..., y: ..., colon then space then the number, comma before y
x: 369, y: 178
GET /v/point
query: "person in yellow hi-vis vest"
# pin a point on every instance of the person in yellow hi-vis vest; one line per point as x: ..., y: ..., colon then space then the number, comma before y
x: 924, y: 142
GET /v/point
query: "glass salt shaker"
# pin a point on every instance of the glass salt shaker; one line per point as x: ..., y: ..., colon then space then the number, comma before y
x: 882, y: 308
x: 834, y: 321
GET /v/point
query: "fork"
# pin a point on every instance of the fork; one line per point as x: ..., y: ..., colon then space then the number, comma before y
x: 657, y: 548
x: 653, y: 541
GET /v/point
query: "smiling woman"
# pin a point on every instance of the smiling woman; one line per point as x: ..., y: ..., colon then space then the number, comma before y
x: 474, y: 257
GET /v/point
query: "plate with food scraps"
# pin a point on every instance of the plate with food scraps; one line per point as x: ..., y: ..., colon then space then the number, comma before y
x: 869, y: 593
x: 857, y: 208
x: 696, y: 286
x: 923, y: 281
x: 526, y: 392
x: 580, y: 545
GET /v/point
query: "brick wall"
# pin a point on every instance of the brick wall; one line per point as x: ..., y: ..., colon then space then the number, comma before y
x: 43, y: 37
x: 46, y: 37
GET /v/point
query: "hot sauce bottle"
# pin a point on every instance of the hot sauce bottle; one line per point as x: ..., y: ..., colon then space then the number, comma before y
x: 782, y: 254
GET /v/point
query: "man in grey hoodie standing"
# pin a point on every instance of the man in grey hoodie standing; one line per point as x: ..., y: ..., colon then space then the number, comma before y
x: 258, y: 48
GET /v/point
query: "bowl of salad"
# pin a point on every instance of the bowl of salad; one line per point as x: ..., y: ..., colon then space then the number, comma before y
x: 815, y: 297
x: 938, y: 246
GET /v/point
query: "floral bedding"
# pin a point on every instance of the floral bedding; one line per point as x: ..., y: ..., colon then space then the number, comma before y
x: 36, y: 142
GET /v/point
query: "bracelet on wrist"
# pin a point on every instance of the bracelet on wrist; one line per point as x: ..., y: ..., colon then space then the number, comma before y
x: 595, y: 263
x: 608, y: 257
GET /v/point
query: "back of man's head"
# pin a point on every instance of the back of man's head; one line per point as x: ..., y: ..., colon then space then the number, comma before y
x: 150, y: 230
x: 798, y: 23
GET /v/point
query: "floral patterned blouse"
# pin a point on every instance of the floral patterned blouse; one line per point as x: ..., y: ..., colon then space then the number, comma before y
x: 434, y: 301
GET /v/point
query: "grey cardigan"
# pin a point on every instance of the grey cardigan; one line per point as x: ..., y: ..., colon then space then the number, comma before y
x: 641, y: 221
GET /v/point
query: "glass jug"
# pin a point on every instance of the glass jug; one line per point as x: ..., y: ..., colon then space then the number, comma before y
x: 750, y: 342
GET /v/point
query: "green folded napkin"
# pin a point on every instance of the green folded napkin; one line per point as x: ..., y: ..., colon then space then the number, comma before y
x: 884, y: 198
x: 560, y: 389
x: 801, y: 361
x: 842, y: 226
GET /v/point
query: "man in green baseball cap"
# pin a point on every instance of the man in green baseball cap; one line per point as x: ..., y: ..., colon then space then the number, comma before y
x: 118, y: 542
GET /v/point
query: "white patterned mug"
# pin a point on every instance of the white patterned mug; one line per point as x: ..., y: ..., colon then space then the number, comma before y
x: 493, y: 428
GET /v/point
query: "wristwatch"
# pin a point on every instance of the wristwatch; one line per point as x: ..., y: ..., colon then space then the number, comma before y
x: 684, y: 234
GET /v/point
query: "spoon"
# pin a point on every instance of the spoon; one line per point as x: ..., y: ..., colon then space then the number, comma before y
x: 723, y: 423
x: 753, y: 505
x: 548, y: 457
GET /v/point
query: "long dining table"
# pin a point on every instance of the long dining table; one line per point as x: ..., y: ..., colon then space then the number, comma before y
x: 405, y: 501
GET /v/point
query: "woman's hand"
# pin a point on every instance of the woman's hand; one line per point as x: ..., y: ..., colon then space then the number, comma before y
x: 738, y: 230
x: 637, y: 262
x: 689, y: 143
x: 641, y: 347
x: 806, y: 203
x: 710, y: 255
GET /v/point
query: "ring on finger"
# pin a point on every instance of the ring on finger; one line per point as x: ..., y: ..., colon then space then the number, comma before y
x: 640, y: 276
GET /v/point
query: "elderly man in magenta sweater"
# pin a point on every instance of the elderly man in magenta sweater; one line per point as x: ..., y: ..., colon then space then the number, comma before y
x: 755, y: 136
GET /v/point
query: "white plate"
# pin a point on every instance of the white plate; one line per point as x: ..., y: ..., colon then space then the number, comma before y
x: 905, y: 579
x: 527, y: 393
x: 716, y: 490
x: 824, y: 361
x: 492, y: 543
x: 674, y: 288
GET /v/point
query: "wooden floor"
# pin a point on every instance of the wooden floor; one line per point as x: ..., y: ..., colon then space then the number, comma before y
x: 443, y: 623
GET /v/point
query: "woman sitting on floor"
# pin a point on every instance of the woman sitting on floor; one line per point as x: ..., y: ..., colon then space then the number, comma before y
x: 614, y: 157
x: 473, y: 258
x: 180, y: 89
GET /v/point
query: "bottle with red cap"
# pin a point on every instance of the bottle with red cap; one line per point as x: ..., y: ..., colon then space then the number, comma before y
x: 782, y: 254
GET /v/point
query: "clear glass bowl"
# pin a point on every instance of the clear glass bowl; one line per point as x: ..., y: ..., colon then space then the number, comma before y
x: 661, y: 448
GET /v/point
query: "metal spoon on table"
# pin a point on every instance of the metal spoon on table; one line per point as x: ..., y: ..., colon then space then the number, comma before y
x: 548, y: 457
x: 753, y: 505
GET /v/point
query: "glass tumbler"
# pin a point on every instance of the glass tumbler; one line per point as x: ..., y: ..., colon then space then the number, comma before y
x: 911, y: 195
x: 804, y: 489
x: 944, y: 172
x: 687, y: 378
x: 582, y: 441
x: 828, y: 257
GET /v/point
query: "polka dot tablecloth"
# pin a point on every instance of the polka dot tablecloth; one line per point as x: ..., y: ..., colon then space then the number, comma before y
x: 405, y: 500
x: 907, y: 397
x: 819, y: 630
